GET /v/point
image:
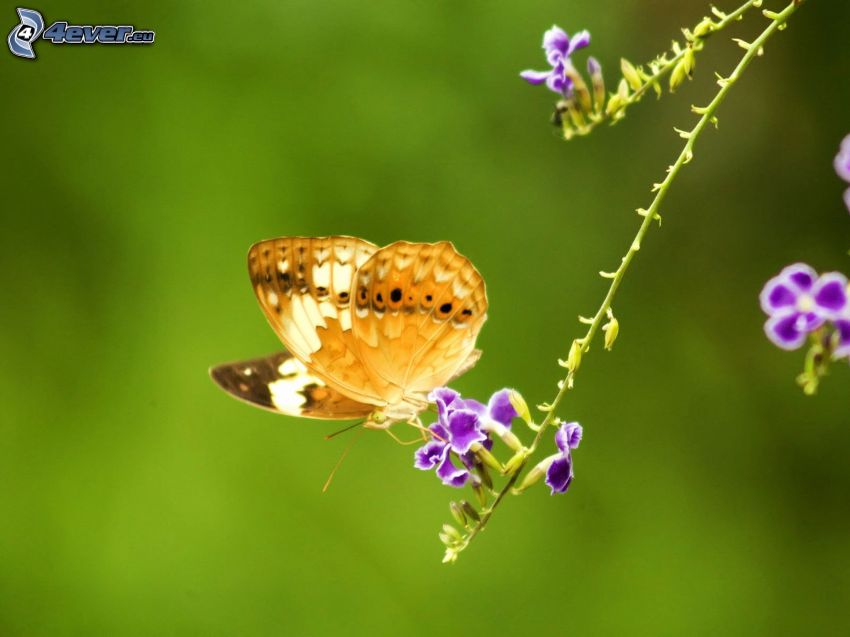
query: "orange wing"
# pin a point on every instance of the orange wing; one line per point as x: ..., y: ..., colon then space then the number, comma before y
x: 418, y: 308
x: 304, y: 288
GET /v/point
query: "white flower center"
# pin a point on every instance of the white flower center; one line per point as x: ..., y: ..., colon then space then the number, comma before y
x: 805, y: 303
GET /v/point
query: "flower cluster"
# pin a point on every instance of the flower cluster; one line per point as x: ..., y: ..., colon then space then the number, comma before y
x: 842, y: 167
x: 579, y: 107
x: 798, y: 302
x: 802, y: 305
x: 462, y: 431
x: 559, y: 48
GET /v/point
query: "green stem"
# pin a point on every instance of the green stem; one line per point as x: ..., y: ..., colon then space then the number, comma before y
x: 707, y: 116
x: 669, y: 65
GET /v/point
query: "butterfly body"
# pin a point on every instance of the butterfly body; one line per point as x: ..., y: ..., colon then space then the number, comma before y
x: 369, y: 331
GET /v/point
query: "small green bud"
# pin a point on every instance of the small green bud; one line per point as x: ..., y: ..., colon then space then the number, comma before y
x: 457, y: 513
x: 574, y: 357
x: 470, y: 511
x: 581, y: 92
x: 519, y: 405
x: 598, y: 82
x: 484, y: 473
x: 516, y: 462
x: 704, y: 28
x: 611, y: 329
x: 631, y: 74
x: 536, y: 474
x: 452, y: 532
x: 480, y: 493
x: 486, y: 457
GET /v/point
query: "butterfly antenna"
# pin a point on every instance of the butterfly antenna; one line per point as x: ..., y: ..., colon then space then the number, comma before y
x: 344, y: 429
x: 342, y: 457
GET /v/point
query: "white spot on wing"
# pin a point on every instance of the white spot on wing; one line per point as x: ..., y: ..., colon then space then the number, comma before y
x: 272, y: 298
x: 327, y: 309
x: 286, y: 392
x: 304, y: 326
x: 441, y: 274
x: 342, y: 275
x: 460, y: 290
x: 322, y: 275
x: 345, y: 319
x: 291, y: 366
x: 344, y: 253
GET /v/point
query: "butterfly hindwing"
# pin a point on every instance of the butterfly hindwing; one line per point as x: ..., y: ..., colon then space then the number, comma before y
x: 303, y: 286
x: 283, y: 384
x: 418, y: 308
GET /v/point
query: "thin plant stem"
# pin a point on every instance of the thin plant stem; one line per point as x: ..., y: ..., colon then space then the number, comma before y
x: 778, y: 22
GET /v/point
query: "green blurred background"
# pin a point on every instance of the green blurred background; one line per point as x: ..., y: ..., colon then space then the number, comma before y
x: 138, y: 499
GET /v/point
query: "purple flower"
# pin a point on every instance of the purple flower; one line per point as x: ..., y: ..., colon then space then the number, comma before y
x: 842, y: 166
x: 559, y: 475
x: 558, y: 47
x: 458, y: 428
x: 798, y: 302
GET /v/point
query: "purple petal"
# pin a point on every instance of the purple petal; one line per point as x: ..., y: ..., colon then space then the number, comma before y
x: 842, y: 326
x: 559, y: 475
x: 787, y: 330
x: 429, y: 455
x: 801, y: 275
x: 842, y: 160
x: 450, y: 474
x: 444, y: 396
x: 778, y: 294
x: 556, y: 39
x: 535, y: 77
x: 593, y: 66
x: 472, y: 405
x: 568, y: 436
x: 830, y: 294
x: 558, y: 81
x: 578, y: 41
x: 501, y: 409
x: 464, y: 430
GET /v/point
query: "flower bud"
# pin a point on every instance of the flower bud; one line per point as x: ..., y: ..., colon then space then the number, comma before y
x: 516, y: 462
x: 631, y: 74
x: 480, y: 493
x: 536, y: 474
x: 611, y: 329
x: 487, y: 458
x: 457, y: 513
x: 452, y: 532
x: 574, y: 357
x: 582, y: 94
x: 598, y: 82
x: 505, y: 434
x: 683, y: 69
x: 470, y: 511
x: 519, y: 405
x: 484, y: 474
x: 704, y: 28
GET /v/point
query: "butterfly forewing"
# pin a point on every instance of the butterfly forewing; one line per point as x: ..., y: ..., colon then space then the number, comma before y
x: 283, y: 384
x: 304, y: 287
x: 418, y: 308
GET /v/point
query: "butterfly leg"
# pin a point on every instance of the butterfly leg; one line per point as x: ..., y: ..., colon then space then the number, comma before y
x: 404, y: 443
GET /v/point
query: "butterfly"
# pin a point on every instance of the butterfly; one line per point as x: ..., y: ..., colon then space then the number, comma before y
x: 368, y: 331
